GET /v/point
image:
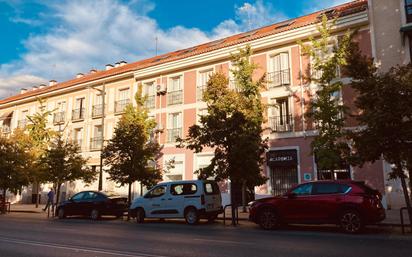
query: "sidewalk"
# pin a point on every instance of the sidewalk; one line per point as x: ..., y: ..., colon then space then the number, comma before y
x: 392, y: 216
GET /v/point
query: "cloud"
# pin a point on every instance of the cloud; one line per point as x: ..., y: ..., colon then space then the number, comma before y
x: 90, y: 34
x: 9, y: 85
x: 313, y: 6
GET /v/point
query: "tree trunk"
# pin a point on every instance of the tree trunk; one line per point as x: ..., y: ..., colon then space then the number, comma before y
x: 244, y: 196
x: 36, y: 191
x: 129, y: 200
x: 4, y: 194
x: 406, y: 195
x: 235, y: 191
x: 141, y: 189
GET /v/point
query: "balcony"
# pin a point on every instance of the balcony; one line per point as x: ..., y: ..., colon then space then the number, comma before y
x: 120, y: 105
x: 175, y: 97
x: 96, y: 143
x: 282, y: 123
x: 174, y: 133
x: 150, y: 102
x: 78, y: 114
x: 59, y: 118
x: 278, y: 78
x: 22, y: 123
x: 97, y: 111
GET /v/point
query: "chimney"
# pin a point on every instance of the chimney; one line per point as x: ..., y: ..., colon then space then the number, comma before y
x: 79, y: 75
x: 109, y: 66
x: 23, y: 90
x: 117, y: 64
x: 42, y: 86
x: 93, y: 71
x: 35, y: 88
x: 52, y: 82
x: 122, y: 63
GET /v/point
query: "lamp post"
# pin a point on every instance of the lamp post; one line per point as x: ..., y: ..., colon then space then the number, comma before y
x: 103, y: 93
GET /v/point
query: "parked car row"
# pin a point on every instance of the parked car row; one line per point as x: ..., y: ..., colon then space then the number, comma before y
x: 349, y: 204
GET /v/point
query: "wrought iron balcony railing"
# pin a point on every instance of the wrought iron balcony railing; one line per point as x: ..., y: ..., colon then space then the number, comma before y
x: 278, y: 78
x: 59, y: 117
x: 120, y: 105
x: 96, y: 143
x: 78, y: 114
x: 175, y: 97
x: 173, y: 133
x: 97, y: 110
x: 282, y: 123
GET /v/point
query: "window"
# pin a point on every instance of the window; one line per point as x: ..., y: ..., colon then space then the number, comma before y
x: 280, y: 74
x: 327, y: 188
x: 156, y: 192
x: 78, y: 112
x: 305, y: 189
x: 78, y: 197
x: 90, y: 196
x: 61, y: 106
x: 211, y: 188
x: 202, y: 83
x: 323, y: 57
x: 183, y: 189
x: 175, y: 92
x: 78, y: 136
x: 97, y: 141
x: 175, y: 126
x: 124, y: 99
x: 124, y: 94
x: 150, y: 92
x: 280, y: 117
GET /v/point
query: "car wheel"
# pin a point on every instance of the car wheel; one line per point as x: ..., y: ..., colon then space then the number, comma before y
x: 94, y: 214
x: 351, y: 222
x: 191, y: 216
x: 61, y: 214
x: 140, y: 215
x: 268, y: 219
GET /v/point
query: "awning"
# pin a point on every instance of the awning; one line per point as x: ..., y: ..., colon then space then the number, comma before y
x: 6, y: 115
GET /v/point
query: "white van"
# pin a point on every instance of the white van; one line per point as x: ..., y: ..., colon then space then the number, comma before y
x: 189, y: 199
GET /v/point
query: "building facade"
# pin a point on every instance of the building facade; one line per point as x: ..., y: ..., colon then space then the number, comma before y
x: 91, y: 104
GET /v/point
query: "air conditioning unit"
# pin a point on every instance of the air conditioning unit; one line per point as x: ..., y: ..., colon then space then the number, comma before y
x: 161, y: 89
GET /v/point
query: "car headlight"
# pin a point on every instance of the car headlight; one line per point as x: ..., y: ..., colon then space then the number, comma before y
x: 251, y: 203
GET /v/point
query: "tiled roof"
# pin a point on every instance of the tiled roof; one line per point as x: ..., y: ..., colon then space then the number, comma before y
x: 337, y: 11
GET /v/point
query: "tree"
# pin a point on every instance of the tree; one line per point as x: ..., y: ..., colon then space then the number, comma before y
x: 62, y: 162
x: 132, y: 153
x: 39, y: 140
x: 385, y: 117
x: 232, y: 127
x: 13, y: 158
x: 327, y: 111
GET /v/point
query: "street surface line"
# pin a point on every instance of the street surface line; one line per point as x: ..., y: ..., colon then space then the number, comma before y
x: 77, y: 248
x: 221, y: 241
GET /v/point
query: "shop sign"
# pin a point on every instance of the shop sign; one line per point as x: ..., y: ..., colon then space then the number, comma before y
x: 282, y: 158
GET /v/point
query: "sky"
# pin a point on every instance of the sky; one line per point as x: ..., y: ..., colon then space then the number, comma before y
x: 45, y: 39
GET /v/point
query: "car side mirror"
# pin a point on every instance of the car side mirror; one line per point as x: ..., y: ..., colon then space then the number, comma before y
x: 291, y: 195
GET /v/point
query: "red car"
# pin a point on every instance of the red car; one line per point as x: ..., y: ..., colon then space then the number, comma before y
x: 350, y: 204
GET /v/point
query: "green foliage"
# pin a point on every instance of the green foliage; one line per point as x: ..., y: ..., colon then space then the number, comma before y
x: 233, y: 125
x: 62, y: 162
x: 326, y: 109
x: 13, y: 172
x: 385, y: 101
x: 132, y: 153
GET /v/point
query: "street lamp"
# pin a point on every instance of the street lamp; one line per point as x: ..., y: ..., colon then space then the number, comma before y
x: 103, y: 93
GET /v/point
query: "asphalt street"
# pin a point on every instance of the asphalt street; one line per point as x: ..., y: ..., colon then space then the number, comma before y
x: 33, y: 235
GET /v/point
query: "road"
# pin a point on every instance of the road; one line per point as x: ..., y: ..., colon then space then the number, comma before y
x: 24, y: 235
